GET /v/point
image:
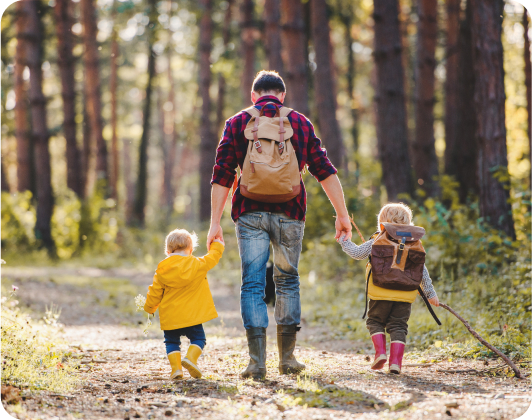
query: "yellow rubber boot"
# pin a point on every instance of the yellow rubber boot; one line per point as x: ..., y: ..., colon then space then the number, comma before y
x: 175, y: 363
x: 190, y: 362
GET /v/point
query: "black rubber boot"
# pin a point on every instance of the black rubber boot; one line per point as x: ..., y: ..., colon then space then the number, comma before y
x: 286, y: 342
x: 257, y: 354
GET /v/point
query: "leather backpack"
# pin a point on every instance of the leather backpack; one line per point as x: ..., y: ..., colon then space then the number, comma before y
x: 397, y: 260
x: 270, y: 173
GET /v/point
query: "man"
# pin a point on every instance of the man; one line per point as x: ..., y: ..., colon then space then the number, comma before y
x: 258, y: 224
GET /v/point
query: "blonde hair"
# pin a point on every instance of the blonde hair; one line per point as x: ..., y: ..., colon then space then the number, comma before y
x: 180, y: 240
x: 395, y: 213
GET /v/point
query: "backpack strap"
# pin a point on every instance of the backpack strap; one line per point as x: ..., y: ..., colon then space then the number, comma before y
x: 429, y: 307
x: 255, y: 113
x: 367, y: 285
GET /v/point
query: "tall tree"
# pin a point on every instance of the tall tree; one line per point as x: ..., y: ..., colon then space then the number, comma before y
x: 347, y: 18
x: 25, y: 174
x: 272, y: 36
x: 451, y: 78
x: 208, y: 140
x: 92, y: 79
x: 424, y: 152
x: 390, y: 100
x: 226, y: 35
x: 113, y: 86
x: 139, y: 206
x: 528, y: 78
x: 490, y: 101
x: 66, y: 63
x: 45, y: 199
x: 323, y: 81
x: 5, y: 184
x: 295, y: 57
x: 247, y: 26
x: 461, y: 147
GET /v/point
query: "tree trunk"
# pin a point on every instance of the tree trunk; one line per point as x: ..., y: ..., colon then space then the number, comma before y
x: 208, y: 140
x: 87, y: 161
x: 139, y: 205
x: 528, y: 79
x: 490, y: 100
x: 390, y: 100
x: 451, y: 81
x: 45, y: 199
x: 226, y: 35
x: 128, y: 179
x: 424, y: 152
x: 294, y: 55
x: 247, y: 27
x: 66, y: 63
x: 92, y: 77
x: 323, y: 80
x: 347, y: 20
x: 461, y: 153
x: 5, y: 184
x: 272, y: 18
x: 25, y: 174
x: 113, y: 179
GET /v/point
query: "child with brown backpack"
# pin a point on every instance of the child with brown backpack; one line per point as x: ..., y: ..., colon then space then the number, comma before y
x: 395, y: 273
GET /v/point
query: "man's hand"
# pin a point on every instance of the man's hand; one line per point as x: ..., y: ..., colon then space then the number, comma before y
x: 435, y: 301
x: 215, y: 232
x: 220, y: 241
x: 343, y: 228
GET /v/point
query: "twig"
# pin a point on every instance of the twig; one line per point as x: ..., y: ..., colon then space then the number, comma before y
x: 484, y: 342
x: 356, y: 227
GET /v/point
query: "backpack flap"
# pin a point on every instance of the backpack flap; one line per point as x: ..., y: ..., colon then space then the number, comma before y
x: 409, y: 233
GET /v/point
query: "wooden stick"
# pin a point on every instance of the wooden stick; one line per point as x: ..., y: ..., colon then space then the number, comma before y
x: 484, y: 342
x: 356, y: 227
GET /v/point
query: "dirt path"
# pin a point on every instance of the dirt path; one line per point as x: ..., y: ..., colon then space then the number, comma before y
x: 123, y: 374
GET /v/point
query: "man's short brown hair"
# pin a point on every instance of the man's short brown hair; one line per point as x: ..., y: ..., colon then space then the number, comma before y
x: 268, y: 81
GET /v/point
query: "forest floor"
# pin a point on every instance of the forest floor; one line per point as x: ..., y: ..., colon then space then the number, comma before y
x: 123, y: 374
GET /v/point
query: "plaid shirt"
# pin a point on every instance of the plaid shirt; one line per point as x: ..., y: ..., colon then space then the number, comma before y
x: 232, y: 152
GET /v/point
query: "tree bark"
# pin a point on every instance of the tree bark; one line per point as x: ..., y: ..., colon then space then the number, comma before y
x: 226, y: 35
x: 4, y: 183
x: 45, y: 199
x: 113, y: 179
x: 324, y: 84
x: 92, y: 77
x: 528, y: 79
x: 295, y: 55
x: 392, y: 138
x: 128, y: 179
x: 87, y: 161
x: 424, y: 152
x: 461, y: 153
x: 247, y: 28
x: 208, y: 140
x: 490, y: 101
x: 25, y: 173
x: 66, y: 63
x: 347, y: 20
x: 451, y: 80
x: 139, y: 205
x: 272, y: 18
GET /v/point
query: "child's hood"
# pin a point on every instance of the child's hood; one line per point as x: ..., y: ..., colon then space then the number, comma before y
x: 177, y: 271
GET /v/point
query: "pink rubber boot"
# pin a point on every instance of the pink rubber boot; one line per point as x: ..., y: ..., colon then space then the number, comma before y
x: 397, y: 349
x: 379, y: 342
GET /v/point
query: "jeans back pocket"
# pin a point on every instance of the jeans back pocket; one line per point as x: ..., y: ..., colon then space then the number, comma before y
x: 291, y: 232
x: 248, y: 226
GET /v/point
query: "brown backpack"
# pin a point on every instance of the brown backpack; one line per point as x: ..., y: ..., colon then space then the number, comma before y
x: 397, y: 260
x: 270, y: 173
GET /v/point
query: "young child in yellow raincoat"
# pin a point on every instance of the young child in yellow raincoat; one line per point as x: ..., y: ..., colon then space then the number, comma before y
x: 181, y: 292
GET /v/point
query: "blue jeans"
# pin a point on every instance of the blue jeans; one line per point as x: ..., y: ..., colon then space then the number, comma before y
x: 255, y: 231
x: 172, y: 338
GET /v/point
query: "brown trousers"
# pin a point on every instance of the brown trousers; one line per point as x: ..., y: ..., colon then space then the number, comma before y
x: 389, y: 316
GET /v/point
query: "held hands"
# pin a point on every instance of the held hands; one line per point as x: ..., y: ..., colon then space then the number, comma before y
x: 221, y: 241
x: 343, y: 228
x: 215, y: 232
x: 435, y: 301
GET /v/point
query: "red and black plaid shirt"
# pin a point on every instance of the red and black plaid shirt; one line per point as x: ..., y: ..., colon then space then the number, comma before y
x: 232, y: 152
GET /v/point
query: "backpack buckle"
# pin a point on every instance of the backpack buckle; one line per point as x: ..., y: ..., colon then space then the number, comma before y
x: 258, y: 146
x: 281, y: 148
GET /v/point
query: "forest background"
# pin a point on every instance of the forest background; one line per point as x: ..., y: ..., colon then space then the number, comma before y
x: 112, y: 111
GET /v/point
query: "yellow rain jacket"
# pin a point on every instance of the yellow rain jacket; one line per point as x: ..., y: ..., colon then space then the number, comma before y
x: 181, y: 292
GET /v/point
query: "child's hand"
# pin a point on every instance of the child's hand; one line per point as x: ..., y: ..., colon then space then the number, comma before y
x: 435, y: 301
x: 220, y: 241
x: 341, y: 238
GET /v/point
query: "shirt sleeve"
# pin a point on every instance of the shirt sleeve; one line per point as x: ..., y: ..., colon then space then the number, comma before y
x: 224, y: 171
x: 155, y: 295
x: 426, y: 284
x: 318, y: 163
x: 357, y: 252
